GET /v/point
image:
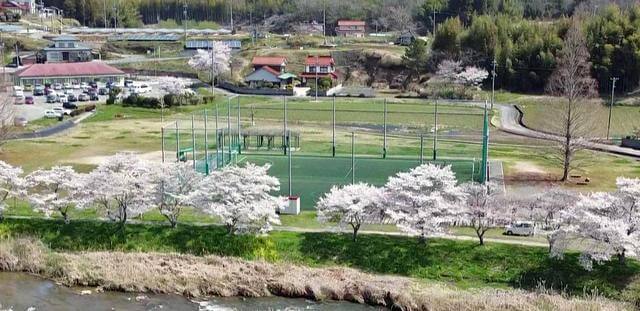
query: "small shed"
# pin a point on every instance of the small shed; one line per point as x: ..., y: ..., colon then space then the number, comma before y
x: 406, y: 38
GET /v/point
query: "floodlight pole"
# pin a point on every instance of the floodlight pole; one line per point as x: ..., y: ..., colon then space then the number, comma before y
x: 353, y: 158
x: 485, y: 147
x: 177, y: 142
x: 229, y: 124
x: 218, y: 149
x: 435, y: 132
x: 384, y: 122
x: 333, y: 132
x: 493, y: 83
x: 613, y: 88
x: 239, y: 128
x: 421, y: 149
x: 162, y: 143
x: 284, y: 122
x: 206, y: 145
x: 289, y: 147
x: 193, y: 140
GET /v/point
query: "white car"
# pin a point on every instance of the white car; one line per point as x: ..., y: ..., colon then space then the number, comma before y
x: 140, y: 88
x: 57, y: 86
x: 63, y: 98
x: 75, y: 85
x: 17, y: 88
x: 60, y: 110
x: 18, y: 93
x: 84, y: 85
x: 68, y: 91
x: 68, y: 86
x: 520, y: 228
x: 51, y: 114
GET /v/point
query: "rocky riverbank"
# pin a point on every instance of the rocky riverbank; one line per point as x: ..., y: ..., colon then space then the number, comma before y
x: 194, y: 276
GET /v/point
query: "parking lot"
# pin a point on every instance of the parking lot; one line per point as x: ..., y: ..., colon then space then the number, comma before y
x: 37, y: 109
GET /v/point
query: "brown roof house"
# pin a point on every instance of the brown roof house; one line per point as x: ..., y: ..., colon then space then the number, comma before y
x: 319, y: 66
x: 351, y: 28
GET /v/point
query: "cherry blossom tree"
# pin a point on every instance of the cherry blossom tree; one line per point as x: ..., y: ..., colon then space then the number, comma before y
x: 215, y: 61
x: 241, y: 197
x: 11, y: 184
x: 174, y: 185
x: 485, y: 208
x: 448, y: 70
x: 471, y: 76
x: 54, y: 190
x: 547, y: 208
x: 605, y: 225
x: 120, y: 186
x: 424, y: 200
x: 173, y: 86
x: 351, y: 205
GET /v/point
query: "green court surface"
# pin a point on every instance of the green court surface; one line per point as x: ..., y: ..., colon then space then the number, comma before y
x: 312, y: 176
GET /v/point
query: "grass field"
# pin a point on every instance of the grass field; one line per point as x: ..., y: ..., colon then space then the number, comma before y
x: 313, y: 175
x: 463, y: 264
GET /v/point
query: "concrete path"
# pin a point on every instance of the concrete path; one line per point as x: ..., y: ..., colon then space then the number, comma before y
x: 53, y: 130
x: 511, y: 122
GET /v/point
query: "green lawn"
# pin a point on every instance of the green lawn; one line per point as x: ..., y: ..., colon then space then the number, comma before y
x: 461, y: 263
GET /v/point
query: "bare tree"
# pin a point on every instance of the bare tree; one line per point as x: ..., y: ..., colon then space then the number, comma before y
x: 7, y: 114
x: 572, y: 81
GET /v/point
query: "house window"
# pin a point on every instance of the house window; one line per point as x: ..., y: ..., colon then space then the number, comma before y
x: 324, y: 69
x: 312, y: 68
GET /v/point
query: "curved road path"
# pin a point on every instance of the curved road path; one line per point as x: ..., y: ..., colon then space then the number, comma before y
x: 510, y: 122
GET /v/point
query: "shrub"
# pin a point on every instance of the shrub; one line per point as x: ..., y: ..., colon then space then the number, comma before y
x: 141, y: 101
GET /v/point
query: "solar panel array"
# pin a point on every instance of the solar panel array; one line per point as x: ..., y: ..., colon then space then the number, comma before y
x: 146, y: 37
x: 206, y: 44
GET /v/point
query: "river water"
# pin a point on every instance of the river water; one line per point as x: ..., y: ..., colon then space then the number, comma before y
x: 20, y: 291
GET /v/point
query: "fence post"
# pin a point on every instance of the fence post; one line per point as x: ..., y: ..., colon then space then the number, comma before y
x: 239, y: 128
x: 177, y: 142
x: 353, y: 158
x: 333, y: 132
x: 193, y: 141
x: 384, y: 118
x: 162, y: 144
x: 206, y: 145
x: 435, y: 133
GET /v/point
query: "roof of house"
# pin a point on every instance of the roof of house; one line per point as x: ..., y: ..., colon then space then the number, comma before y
x: 264, y: 73
x: 68, y: 70
x: 321, y: 60
x: 351, y: 23
x: 268, y: 60
x: 65, y: 38
x: 287, y: 75
x: 333, y: 75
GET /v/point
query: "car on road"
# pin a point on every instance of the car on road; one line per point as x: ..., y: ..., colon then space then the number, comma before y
x: 83, y: 97
x: 57, y: 86
x: 51, y: 114
x: 140, y: 88
x: 68, y: 86
x: 51, y: 98
x: 20, y: 121
x: 69, y: 106
x: 520, y: 228
x: 29, y: 100
x: 72, y: 98
x: 128, y: 83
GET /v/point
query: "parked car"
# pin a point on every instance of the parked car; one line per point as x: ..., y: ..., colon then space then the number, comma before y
x: 72, y: 98
x: 29, y: 100
x: 61, y: 111
x: 48, y: 91
x: 69, y: 106
x: 28, y: 88
x: 68, y: 91
x: 84, y: 85
x: 38, y: 92
x: 51, y: 114
x: 52, y: 98
x: 103, y: 91
x: 20, y: 121
x: 140, y: 88
x: 520, y: 228
x: 128, y: 83
x: 94, y: 96
x: 19, y: 100
x: 83, y: 97
x: 18, y: 93
x: 63, y: 98
x: 68, y: 86
x: 75, y: 85
x: 57, y: 86
x: 18, y: 88
x: 93, y: 84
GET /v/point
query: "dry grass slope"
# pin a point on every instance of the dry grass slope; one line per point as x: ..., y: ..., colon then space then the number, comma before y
x: 194, y: 276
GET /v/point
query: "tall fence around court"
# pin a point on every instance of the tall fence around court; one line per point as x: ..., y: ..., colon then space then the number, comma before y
x: 400, y: 129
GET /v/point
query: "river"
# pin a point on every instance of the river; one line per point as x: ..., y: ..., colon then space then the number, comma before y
x: 20, y: 291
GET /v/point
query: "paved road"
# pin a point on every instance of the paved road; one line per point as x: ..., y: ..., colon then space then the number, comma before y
x: 53, y: 130
x: 510, y: 122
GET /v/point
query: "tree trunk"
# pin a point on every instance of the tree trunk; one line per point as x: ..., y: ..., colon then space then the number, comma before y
x: 65, y: 216
x: 481, y: 238
x: 622, y: 258
x: 355, y: 232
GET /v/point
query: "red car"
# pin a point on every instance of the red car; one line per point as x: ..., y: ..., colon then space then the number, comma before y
x: 29, y: 100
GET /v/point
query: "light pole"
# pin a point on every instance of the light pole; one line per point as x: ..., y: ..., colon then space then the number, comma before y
x: 493, y: 83
x: 316, y: 70
x: 613, y: 88
x: 184, y: 20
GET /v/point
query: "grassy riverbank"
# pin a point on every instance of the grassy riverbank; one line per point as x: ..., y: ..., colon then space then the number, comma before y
x: 464, y: 264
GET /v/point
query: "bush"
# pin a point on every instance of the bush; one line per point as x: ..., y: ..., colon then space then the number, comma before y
x: 141, y: 101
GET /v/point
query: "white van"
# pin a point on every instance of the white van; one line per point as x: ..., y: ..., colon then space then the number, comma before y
x: 520, y: 228
x: 140, y: 88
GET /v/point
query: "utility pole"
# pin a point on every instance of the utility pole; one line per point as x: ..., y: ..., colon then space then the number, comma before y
x: 212, y: 70
x: 435, y: 132
x: 333, y: 130
x: 284, y: 122
x: 231, y: 8
x: 316, y: 70
x: 184, y: 20
x: 324, y: 21
x: 115, y: 17
x: 421, y: 149
x: 239, y: 129
x: 193, y: 141
x: 104, y: 7
x: 206, y: 145
x: 493, y: 83
x: 613, y: 89
x: 384, y: 129
x: 288, y: 146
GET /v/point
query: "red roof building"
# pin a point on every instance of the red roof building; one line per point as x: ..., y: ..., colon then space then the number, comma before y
x: 319, y: 66
x: 277, y: 63
x: 351, y: 28
x: 65, y: 72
